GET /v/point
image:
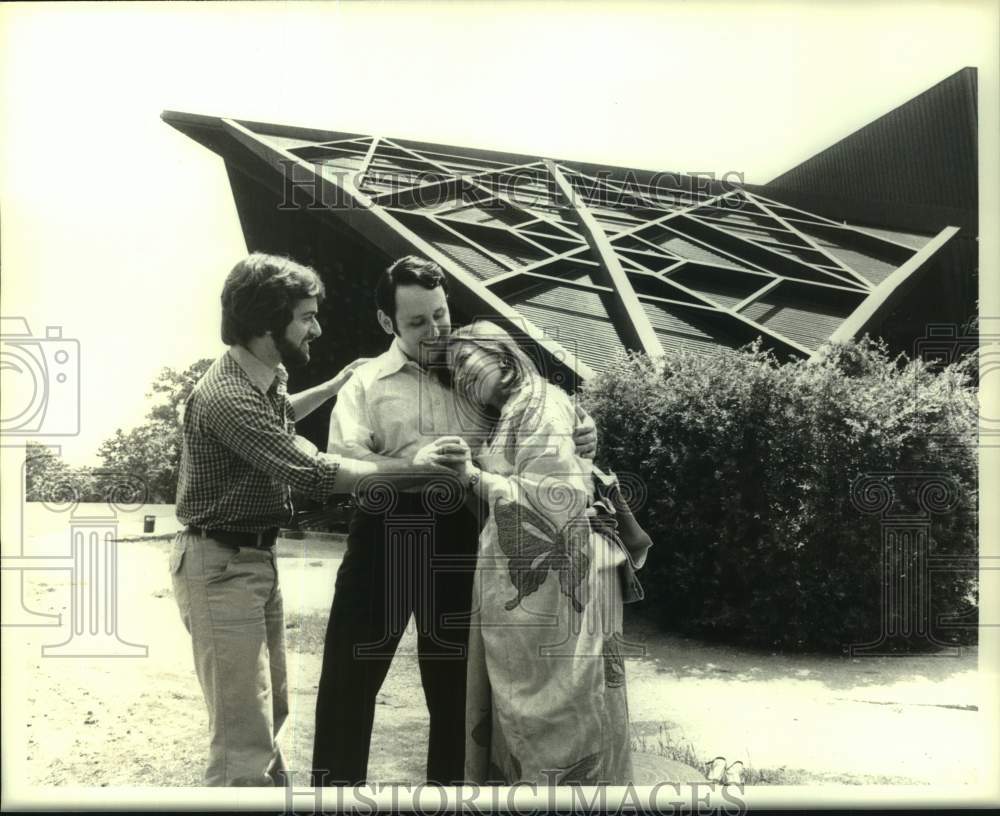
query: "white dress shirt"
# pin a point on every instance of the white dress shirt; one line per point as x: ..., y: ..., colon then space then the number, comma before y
x: 393, y: 407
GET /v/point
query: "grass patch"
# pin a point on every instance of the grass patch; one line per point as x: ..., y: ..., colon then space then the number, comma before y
x: 664, y: 743
x: 305, y: 633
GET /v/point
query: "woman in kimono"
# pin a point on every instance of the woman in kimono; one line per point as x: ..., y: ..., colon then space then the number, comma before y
x: 546, y: 699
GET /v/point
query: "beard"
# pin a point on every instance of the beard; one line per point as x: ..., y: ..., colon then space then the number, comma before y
x: 292, y: 356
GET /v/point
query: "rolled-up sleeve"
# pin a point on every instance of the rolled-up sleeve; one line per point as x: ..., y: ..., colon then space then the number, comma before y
x: 244, y: 423
x: 351, y: 434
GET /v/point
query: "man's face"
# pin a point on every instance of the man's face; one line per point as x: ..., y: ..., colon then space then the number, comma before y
x: 293, y: 346
x: 421, y: 315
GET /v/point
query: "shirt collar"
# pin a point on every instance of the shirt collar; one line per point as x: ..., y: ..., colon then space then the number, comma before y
x: 393, y: 360
x: 260, y: 373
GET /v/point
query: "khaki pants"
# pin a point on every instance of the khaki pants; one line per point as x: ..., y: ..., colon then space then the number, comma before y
x: 231, y: 604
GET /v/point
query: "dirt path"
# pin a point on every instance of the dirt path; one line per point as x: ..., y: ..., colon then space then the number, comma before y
x: 141, y: 721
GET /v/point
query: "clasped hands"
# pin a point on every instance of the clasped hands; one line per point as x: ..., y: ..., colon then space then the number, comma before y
x: 451, y: 452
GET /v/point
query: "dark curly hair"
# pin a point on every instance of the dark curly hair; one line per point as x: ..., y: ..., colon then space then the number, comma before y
x: 407, y: 271
x: 260, y: 293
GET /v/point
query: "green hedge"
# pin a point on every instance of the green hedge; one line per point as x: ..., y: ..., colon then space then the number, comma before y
x: 743, y: 471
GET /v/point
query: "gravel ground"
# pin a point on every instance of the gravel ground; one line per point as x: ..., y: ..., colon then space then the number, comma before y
x: 800, y: 719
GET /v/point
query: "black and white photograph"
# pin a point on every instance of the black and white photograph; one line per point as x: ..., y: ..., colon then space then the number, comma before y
x: 500, y: 406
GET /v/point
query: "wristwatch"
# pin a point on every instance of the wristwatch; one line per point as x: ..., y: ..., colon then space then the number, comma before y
x: 473, y: 480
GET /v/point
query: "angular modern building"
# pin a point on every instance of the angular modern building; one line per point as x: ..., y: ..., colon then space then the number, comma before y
x: 586, y: 259
x: 914, y: 169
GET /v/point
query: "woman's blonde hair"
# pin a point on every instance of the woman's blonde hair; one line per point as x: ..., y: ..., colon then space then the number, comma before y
x: 520, y: 369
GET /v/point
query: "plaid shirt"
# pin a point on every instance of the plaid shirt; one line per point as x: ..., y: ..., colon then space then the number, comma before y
x: 239, y: 457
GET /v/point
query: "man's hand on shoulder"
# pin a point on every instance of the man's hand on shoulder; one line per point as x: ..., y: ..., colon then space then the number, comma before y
x: 585, y: 435
x: 335, y: 383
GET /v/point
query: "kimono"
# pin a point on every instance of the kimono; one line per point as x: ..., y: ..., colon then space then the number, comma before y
x: 546, y: 699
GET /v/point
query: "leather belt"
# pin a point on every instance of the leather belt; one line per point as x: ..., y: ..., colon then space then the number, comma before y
x: 263, y: 540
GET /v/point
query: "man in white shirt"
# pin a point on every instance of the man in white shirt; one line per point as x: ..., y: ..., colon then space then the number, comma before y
x: 408, y: 553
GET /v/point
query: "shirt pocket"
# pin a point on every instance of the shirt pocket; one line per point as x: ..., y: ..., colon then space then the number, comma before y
x: 398, y: 421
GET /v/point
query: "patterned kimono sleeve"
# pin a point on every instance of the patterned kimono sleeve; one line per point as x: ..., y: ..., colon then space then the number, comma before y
x: 539, y: 508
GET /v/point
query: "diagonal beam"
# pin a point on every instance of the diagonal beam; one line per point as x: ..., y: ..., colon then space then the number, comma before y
x: 849, y: 235
x: 810, y: 241
x: 766, y: 258
x: 731, y: 312
x: 367, y: 160
x: 394, y: 238
x: 754, y: 296
x: 636, y: 201
x: 661, y: 220
x: 539, y: 268
x: 492, y: 193
x: 888, y: 293
x: 626, y: 312
x: 460, y: 177
x: 641, y: 199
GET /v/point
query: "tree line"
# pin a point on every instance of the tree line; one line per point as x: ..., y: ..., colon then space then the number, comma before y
x: 149, y: 453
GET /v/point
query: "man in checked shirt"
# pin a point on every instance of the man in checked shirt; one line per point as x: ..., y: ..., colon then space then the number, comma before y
x: 416, y: 557
x: 240, y: 457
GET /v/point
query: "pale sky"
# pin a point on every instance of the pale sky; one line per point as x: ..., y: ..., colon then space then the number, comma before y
x: 120, y: 229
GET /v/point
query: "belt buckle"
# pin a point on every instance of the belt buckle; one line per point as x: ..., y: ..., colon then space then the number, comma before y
x: 265, y: 539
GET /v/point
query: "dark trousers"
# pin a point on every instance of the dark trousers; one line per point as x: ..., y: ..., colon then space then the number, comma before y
x: 407, y: 561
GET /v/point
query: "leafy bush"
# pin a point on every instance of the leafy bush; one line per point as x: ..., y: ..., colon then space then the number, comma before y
x: 747, y: 467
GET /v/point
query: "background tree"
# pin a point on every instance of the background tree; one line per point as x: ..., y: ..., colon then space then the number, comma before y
x: 48, y: 478
x: 152, y: 450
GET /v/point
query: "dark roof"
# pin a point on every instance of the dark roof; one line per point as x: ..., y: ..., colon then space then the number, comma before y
x: 593, y: 258
x: 916, y: 166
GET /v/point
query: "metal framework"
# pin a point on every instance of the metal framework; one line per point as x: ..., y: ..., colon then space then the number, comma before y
x: 587, y: 261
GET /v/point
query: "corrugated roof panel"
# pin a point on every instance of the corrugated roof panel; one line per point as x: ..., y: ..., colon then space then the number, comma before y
x: 286, y: 142
x: 471, y: 259
x: 577, y: 300
x: 672, y: 242
x: 808, y: 324
x: 805, y: 254
x: 511, y: 254
x: 725, y: 289
x: 482, y: 266
x: 335, y: 169
x: 589, y: 336
x: 923, y: 151
x: 676, y: 329
x: 872, y: 269
x: 755, y: 231
x: 470, y: 214
x: 909, y: 239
